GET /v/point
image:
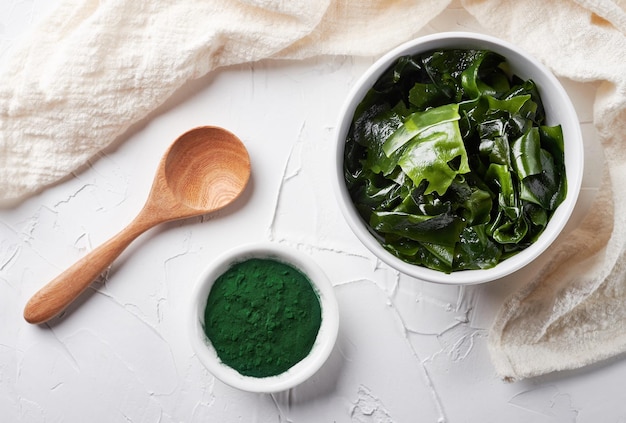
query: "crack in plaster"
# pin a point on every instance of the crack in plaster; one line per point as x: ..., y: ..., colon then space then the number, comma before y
x: 461, y: 349
x: 72, y: 359
x: 29, y: 225
x: 318, y: 248
x: 131, y: 370
x: 281, y: 414
x: 428, y: 379
x: 556, y: 405
x: 128, y: 309
x: 369, y: 408
x: 283, y: 179
x: 9, y: 261
x: 57, y: 386
x: 25, y: 411
x: 421, y: 363
x: 73, y: 195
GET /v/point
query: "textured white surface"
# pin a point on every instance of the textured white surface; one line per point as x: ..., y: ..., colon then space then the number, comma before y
x: 407, y: 350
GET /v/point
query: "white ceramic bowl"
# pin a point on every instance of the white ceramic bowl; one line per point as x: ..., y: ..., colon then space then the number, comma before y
x: 324, y: 342
x: 559, y: 110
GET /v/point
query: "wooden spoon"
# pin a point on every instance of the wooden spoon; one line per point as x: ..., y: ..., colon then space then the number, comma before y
x: 204, y: 170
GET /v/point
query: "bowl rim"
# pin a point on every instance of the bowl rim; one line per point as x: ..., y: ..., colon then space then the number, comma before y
x: 574, y: 154
x: 326, y: 337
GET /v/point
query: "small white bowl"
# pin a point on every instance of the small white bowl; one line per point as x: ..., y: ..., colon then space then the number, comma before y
x: 302, y: 370
x: 558, y: 108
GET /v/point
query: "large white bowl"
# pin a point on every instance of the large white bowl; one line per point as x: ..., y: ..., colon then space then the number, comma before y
x: 298, y: 373
x: 558, y: 108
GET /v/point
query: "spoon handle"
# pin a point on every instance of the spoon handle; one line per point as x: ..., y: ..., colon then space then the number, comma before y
x: 54, y: 297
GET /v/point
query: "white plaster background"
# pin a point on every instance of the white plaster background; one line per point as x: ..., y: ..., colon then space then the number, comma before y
x: 408, y: 351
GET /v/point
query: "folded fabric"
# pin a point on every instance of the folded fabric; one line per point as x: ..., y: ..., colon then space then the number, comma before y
x: 95, y: 67
x: 573, y: 312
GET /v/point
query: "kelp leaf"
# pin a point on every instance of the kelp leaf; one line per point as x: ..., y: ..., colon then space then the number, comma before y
x: 526, y: 152
x: 444, y: 253
x: 476, y: 250
x: 545, y: 188
x: 511, y: 231
x: 418, y: 122
x: 430, y: 155
x: 483, y: 76
x: 443, y: 229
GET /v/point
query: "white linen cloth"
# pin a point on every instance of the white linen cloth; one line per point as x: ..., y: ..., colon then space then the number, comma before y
x: 92, y: 68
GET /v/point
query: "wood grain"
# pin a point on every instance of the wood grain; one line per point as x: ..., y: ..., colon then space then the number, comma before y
x: 204, y: 170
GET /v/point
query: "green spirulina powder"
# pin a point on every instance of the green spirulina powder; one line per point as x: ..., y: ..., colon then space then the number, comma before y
x: 262, y: 317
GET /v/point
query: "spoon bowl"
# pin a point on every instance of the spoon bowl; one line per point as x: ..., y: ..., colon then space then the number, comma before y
x: 204, y: 170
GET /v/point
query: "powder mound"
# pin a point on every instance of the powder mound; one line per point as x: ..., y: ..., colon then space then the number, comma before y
x: 262, y: 317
